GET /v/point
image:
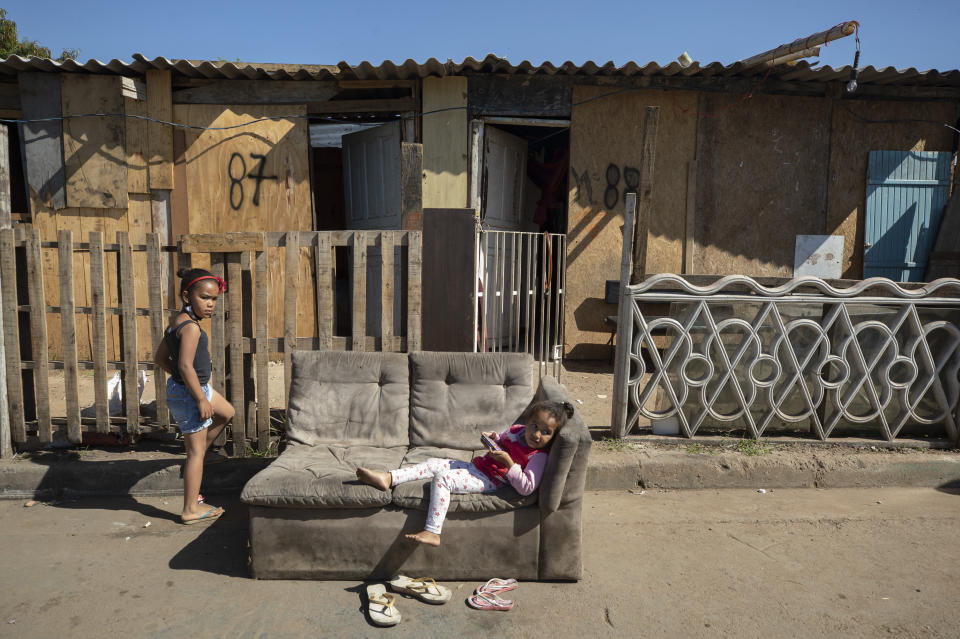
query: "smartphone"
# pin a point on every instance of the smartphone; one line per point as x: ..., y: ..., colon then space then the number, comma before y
x: 489, y: 443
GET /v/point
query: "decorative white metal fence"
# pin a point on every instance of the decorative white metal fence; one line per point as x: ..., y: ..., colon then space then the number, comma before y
x: 873, y: 357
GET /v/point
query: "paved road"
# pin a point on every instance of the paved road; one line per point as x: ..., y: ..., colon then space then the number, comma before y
x: 732, y: 563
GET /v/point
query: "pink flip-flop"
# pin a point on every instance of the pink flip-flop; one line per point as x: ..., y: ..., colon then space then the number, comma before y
x: 497, y: 585
x: 485, y: 601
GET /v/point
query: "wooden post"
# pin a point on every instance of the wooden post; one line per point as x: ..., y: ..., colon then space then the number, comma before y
x: 621, y: 370
x: 235, y: 341
x: 386, y: 291
x: 414, y: 263
x: 644, y: 195
x: 99, y: 324
x: 157, y: 321
x: 38, y: 335
x: 359, y: 306
x: 292, y: 276
x: 68, y: 323
x: 324, y: 291
x: 128, y: 329
x: 6, y: 444
x: 262, y: 303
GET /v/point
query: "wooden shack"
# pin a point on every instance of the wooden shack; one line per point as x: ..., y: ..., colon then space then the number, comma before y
x: 748, y: 161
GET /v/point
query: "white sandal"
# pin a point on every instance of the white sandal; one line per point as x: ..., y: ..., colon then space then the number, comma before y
x: 380, y: 606
x: 423, y: 588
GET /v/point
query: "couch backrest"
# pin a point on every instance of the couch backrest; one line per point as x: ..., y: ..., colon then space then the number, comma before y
x: 455, y: 396
x: 349, y: 398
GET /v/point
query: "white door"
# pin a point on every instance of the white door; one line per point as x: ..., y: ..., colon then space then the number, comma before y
x: 504, y: 173
x: 372, y: 194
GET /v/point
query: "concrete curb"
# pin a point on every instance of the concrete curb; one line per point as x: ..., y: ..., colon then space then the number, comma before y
x: 607, y: 470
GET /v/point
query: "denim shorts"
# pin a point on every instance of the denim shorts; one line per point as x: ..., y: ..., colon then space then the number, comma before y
x: 183, y: 407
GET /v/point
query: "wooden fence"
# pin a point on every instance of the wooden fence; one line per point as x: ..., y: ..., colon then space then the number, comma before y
x: 240, y: 344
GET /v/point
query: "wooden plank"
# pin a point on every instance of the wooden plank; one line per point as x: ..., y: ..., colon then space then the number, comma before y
x: 387, y: 289
x: 521, y: 94
x: 38, y: 335
x: 160, y: 215
x: 43, y: 140
x: 359, y: 305
x: 135, y: 139
x: 157, y: 316
x: 128, y: 331
x: 99, y: 329
x: 6, y: 217
x: 392, y: 105
x: 377, y: 84
x: 256, y: 92
x: 218, y: 332
x: 235, y: 337
x: 689, y: 236
x: 11, y: 335
x: 262, y: 303
x: 222, y: 242
x: 159, y: 136
x: 228, y: 164
x: 414, y: 315
x: 291, y: 267
x: 621, y: 371
x: 133, y: 88
x: 68, y: 326
x: 179, y: 206
x: 93, y: 147
x: 6, y: 444
x: 411, y: 186
x: 324, y: 279
x: 648, y: 145
x: 444, y: 140
x: 140, y: 222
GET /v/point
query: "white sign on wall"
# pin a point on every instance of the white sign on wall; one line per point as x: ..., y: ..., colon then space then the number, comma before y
x: 819, y: 255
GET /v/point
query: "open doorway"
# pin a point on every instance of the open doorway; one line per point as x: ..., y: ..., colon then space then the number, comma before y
x: 518, y: 187
x: 356, y: 177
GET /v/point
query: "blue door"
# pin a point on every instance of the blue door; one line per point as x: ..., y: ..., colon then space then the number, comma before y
x: 906, y: 194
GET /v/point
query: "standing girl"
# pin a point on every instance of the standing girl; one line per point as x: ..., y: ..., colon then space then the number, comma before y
x: 201, y: 413
x: 519, y: 459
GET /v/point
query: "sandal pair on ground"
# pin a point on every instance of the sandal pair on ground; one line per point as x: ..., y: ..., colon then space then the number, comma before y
x: 487, y: 596
x: 380, y: 603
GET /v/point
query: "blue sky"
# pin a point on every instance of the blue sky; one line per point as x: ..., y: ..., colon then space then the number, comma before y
x: 922, y: 34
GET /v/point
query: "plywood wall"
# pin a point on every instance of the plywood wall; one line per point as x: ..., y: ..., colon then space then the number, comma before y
x: 852, y: 141
x: 445, y: 142
x: 605, y: 145
x: 252, y: 178
x: 761, y: 181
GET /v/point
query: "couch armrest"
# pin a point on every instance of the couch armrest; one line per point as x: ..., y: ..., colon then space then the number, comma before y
x: 566, y: 470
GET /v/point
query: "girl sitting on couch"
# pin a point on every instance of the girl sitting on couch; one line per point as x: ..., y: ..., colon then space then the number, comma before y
x: 519, y: 459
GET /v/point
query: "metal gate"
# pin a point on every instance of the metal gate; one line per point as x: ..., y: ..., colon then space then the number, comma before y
x: 519, y: 292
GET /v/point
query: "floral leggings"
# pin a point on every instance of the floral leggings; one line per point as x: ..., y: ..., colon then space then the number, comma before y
x: 449, y: 476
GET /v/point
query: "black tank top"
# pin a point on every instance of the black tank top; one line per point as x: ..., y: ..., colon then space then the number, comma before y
x: 201, y: 359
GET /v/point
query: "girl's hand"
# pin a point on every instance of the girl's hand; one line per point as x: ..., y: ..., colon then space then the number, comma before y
x: 489, y: 434
x: 206, y: 410
x: 502, y: 457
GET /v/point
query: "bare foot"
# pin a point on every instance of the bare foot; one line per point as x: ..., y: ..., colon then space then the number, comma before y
x: 379, y: 479
x: 425, y: 537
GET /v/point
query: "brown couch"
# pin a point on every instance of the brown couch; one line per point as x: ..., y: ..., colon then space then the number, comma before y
x: 311, y: 519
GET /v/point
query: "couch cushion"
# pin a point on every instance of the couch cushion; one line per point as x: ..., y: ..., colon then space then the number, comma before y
x: 348, y: 398
x: 416, y: 494
x: 454, y: 396
x: 322, y: 477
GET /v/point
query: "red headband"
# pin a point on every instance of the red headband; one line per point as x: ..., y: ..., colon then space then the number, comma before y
x: 220, y: 282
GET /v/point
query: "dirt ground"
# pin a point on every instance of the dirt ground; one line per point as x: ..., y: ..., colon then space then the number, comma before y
x: 849, y: 563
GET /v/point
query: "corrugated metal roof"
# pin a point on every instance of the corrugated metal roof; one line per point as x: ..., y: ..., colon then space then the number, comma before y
x: 409, y: 69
